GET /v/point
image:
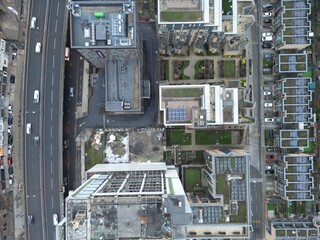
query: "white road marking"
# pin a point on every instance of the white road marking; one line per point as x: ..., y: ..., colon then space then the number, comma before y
x: 51, y: 96
x: 55, y: 27
x: 52, y: 79
x: 51, y: 112
x: 51, y: 149
x: 54, y: 44
x: 51, y: 136
x: 53, y: 58
x: 58, y: 9
x: 51, y: 166
x: 68, y: 155
x: 52, y: 200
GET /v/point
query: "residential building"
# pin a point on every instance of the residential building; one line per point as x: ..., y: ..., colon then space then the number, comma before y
x: 294, y: 138
x: 105, y: 34
x: 198, y: 105
x: 4, y: 232
x: 128, y: 201
x: 3, y: 57
x: 292, y: 24
x: 293, y: 100
x: 197, y: 22
x: 294, y: 177
x: 300, y: 229
x: 291, y: 63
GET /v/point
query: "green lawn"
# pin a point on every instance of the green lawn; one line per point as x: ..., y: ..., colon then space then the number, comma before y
x: 270, y: 206
x: 307, y: 74
x: 182, y: 92
x: 93, y: 156
x: 226, y: 7
x: 212, y: 137
x: 242, y: 214
x: 185, y: 65
x: 268, y: 140
x: 192, y: 178
x: 180, y: 16
x: 230, y: 68
x: 179, y: 137
x: 310, y: 149
x: 223, y: 188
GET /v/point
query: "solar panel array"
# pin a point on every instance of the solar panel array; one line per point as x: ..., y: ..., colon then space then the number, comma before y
x: 177, y: 114
x: 209, y: 215
x: 300, y: 13
x: 223, y: 165
x: 238, y: 190
x: 300, y: 4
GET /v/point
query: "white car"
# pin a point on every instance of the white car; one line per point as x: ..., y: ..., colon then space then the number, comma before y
x: 38, y: 47
x: 268, y: 104
x: 266, y: 14
x: 266, y: 93
x: 33, y: 22
x: 269, y: 120
x: 10, y: 108
x: 36, y: 96
x: 266, y: 39
x: 266, y: 34
x: 28, y: 128
x: 55, y: 219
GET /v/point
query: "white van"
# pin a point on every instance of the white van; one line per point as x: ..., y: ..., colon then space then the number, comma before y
x: 28, y: 128
x: 33, y: 22
x: 38, y: 47
x: 55, y: 219
x: 266, y: 39
x: 36, y: 96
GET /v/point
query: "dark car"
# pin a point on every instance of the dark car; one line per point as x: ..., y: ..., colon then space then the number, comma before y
x: 270, y: 149
x: 266, y: 45
x: 269, y: 172
x: 12, y: 78
x: 30, y: 219
x: 267, y: 20
x: 271, y: 133
x: 10, y: 120
x: 271, y: 156
x: 268, y: 25
x: 9, y: 159
x: 10, y: 170
x: 267, y: 6
x: 10, y: 139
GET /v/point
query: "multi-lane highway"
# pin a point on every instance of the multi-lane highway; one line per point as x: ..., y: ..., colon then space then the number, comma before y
x: 44, y: 73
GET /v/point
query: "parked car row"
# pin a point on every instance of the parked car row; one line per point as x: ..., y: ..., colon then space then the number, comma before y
x: 10, y: 141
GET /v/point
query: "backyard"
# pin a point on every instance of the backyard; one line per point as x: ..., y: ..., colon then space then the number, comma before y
x: 212, y: 137
x: 192, y: 178
x: 178, y: 137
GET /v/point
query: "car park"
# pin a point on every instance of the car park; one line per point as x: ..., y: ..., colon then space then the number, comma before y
x: 9, y: 129
x: 12, y: 78
x: 270, y: 156
x: 10, y: 120
x: 28, y: 128
x: 267, y: 105
x: 266, y: 14
x: 266, y: 34
x: 266, y: 45
x: 10, y: 170
x: 9, y: 149
x: 269, y: 172
x: 36, y: 96
x: 270, y: 149
x: 267, y: 6
x: 10, y: 139
x: 10, y: 160
x: 267, y: 20
x: 10, y: 107
x: 38, y: 47
x: 269, y: 120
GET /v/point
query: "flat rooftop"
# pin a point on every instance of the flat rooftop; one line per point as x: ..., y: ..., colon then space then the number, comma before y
x: 294, y: 138
x: 289, y: 63
x: 103, y: 24
x: 184, y: 104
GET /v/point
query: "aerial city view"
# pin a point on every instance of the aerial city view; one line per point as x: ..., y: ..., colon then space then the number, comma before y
x: 159, y: 119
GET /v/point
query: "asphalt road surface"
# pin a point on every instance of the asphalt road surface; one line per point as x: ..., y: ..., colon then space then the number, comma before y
x: 42, y: 165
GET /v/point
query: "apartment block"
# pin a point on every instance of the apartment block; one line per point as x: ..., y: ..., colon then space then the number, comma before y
x: 293, y: 101
x: 198, y: 106
x: 105, y: 34
x: 294, y: 138
x: 198, y: 22
x: 294, y: 177
x: 291, y: 63
x: 292, y: 24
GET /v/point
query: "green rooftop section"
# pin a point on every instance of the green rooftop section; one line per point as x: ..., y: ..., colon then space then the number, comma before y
x: 170, y: 186
x: 310, y: 149
x: 230, y: 68
x: 178, y: 136
x: 242, y: 213
x: 226, y: 7
x: 307, y: 74
x: 182, y: 92
x: 185, y: 16
x: 271, y: 206
x: 212, y: 137
x: 222, y: 187
x: 192, y: 178
x: 94, y: 156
